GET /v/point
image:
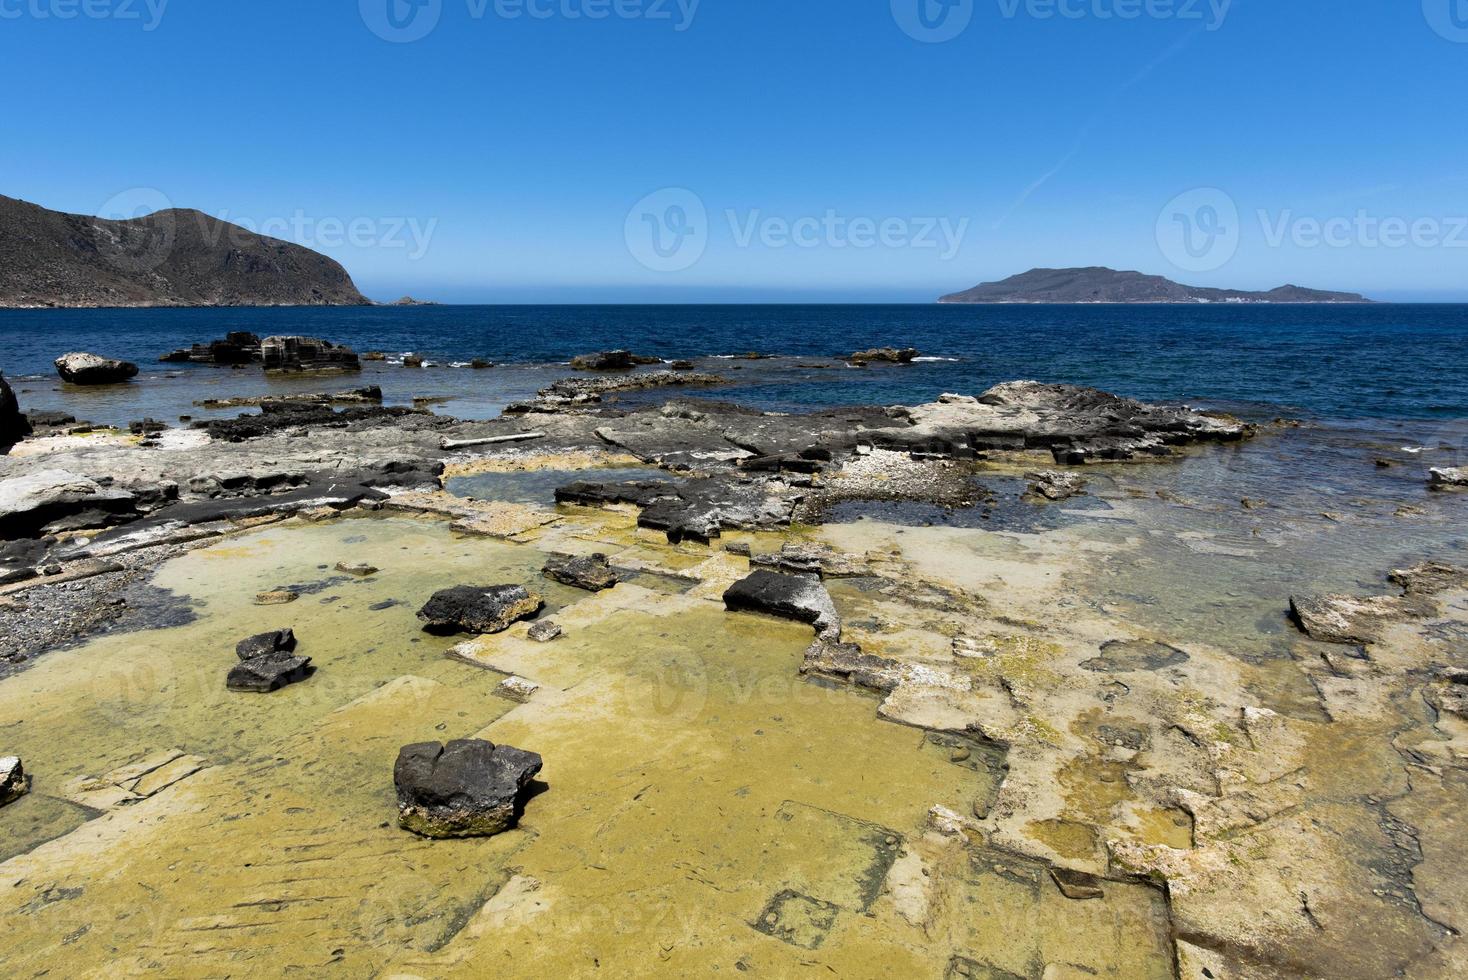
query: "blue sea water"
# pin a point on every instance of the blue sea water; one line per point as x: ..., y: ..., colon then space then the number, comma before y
x: 1382, y: 362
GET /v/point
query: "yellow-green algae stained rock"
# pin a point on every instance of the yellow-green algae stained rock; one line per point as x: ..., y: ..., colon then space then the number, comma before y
x: 696, y: 785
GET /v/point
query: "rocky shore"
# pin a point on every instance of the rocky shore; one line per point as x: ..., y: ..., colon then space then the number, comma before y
x: 1124, y: 799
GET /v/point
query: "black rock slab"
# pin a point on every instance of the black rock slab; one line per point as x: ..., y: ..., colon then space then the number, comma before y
x: 269, y: 673
x: 467, y: 788
x: 267, y: 644
x: 478, y: 609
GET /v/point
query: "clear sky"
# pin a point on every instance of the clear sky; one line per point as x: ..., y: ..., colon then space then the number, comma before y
x: 753, y: 150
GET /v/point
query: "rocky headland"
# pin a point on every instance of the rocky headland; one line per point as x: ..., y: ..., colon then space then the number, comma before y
x: 177, y: 257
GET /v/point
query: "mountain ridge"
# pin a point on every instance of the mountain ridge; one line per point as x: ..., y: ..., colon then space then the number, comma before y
x: 1102, y: 285
x: 173, y: 258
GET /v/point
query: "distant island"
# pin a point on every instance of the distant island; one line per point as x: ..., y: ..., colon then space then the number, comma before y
x: 177, y: 257
x: 1098, y: 284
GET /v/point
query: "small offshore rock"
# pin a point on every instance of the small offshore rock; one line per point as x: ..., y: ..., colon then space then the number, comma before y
x: 590, y: 572
x: 478, y: 609
x: 274, y: 643
x: 889, y: 355
x: 279, y: 597
x: 14, y: 783
x: 306, y: 354
x: 545, y: 632
x: 517, y: 689
x: 91, y: 369
x: 468, y: 788
x: 264, y: 675
x: 360, y: 569
x: 612, y: 360
x: 1446, y: 478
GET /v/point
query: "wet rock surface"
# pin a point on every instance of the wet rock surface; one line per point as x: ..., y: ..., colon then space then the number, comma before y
x: 478, y: 609
x: 467, y: 788
x: 590, y: 572
x: 93, y: 369
x: 1365, y: 619
x: 1126, y: 656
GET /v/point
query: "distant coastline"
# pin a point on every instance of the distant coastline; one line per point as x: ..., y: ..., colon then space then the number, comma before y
x: 1100, y: 286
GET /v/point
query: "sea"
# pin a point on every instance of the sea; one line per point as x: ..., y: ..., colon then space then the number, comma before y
x: 1383, y: 362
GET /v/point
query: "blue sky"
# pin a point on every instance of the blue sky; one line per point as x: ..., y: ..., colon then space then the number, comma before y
x: 810, y: 150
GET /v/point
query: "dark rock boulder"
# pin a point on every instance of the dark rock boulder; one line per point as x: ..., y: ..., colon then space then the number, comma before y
x: 91, y: 369
x: 269, y: 673
x: 14, y: 783
x: 478, y: 609
x: 13, y: 425
x: 611, y: 360
x: 306, y: 354
x: 468, y: 788
x: 267, y: 644
x: 796, y: 597
x: 589, y: 572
